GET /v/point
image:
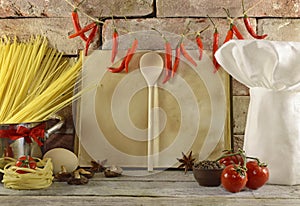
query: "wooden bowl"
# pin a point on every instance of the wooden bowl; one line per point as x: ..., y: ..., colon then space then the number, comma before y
x: 208, y: 177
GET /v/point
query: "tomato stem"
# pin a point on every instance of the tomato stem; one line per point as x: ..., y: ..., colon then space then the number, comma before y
x: 261, y: 164
x: 239, y: 152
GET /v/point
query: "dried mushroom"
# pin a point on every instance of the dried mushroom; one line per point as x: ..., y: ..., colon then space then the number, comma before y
x: 86, y: 173
x: 98, y: 166
x: 77, y: 179
x: 63, y: 175
x: 113, y: 171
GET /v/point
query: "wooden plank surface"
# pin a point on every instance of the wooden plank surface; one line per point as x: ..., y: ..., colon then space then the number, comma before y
x: 164, y: 188
x: 110, y: 201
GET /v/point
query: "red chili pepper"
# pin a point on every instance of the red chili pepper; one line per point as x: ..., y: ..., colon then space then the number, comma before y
x: 251, y: 30
x: 236, y: 32
x: 130, y: 54
x: 76, y: 24
x: 216, y: 36
x: 233, y: 27
x: 90, y: 38
x: 177, y: 60
x: 199, y: 42
x: 168, y: 57
x: 186, y: 54
x: 83, y: 30
x: 114, y: 49
x: 215, y: 48
x: 229, y: 35
x: 249, y: 26
x: 200, y: 45
x: 168, y: 61
x: 122, y: 65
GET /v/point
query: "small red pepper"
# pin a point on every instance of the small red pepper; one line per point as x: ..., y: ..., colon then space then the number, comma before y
x: 229, y: 35
x: 233, y: 27
x: 249, y: 26
x: 122, y: 65
x: 115, y: 43
x: 130, y: 54
x: 90, y: 38
x: 186, y: 54
x: 168, y: 57
x: 168, y: 61
x: 199, y: 42
x: 83, y: 30
x: 251, y: 30
x: 236, y: 32
x: 215, y: 48
x: 216, y: 37
x: 200, y: 45
x: 177, y: 60
x: 76, y: 24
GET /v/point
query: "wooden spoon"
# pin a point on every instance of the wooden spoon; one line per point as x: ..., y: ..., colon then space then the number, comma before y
x: 151, y: 66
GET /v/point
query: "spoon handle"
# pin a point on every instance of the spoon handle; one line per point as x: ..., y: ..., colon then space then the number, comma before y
x: 150, y: 129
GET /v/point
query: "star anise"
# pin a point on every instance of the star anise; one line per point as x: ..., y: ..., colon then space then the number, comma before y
x: 187, y: 162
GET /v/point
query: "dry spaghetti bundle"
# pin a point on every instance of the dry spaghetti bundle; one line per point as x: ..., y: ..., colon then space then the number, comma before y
x: 38, y: 178
x: 36, y: 80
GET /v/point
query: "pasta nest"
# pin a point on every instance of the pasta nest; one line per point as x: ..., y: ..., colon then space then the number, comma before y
x: 38, y: 178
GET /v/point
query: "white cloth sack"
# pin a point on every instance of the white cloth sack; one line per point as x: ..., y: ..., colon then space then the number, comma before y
x: 272, y: 72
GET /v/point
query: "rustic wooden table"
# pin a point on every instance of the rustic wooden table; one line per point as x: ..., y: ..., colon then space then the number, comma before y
x: 164, y: 188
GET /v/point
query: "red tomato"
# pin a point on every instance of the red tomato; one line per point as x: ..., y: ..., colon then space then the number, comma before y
x: 236, y: 159
x: 234, y: 178
x: 26, y: 162
x: 258, y: 175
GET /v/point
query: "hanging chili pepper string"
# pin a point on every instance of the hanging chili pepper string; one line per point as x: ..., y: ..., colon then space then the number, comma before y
x: 248, y: 25
x: 215, y: 45
x: 92, y: 27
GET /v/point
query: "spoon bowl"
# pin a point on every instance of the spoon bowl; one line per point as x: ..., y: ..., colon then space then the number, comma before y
x: 151, y: 66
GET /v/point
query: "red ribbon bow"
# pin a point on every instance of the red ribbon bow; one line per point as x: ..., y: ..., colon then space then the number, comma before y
x: 35, y: 133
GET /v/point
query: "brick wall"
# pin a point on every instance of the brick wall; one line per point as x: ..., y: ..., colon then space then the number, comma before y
x: 277, y: 18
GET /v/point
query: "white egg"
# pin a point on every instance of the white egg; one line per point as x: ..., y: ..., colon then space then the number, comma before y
x: 61, y: 156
